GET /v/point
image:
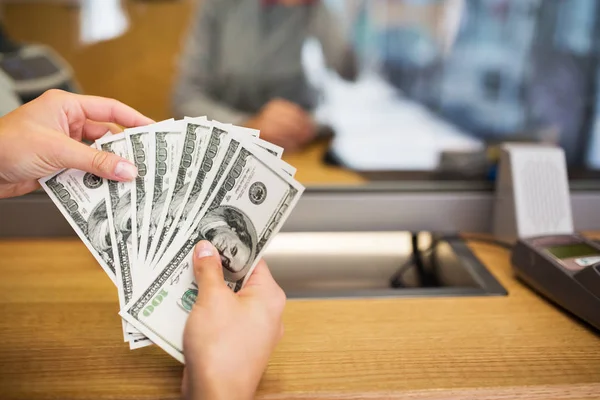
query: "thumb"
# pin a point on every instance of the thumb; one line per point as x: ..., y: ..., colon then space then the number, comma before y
x: 106, y: 165
x: 207, y: 267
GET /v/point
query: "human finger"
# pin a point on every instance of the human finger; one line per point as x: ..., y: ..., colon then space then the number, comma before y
x: 261, y: 277
x: 102, y: 109
x: 74, y: 154
x: 262, y: 289
x: 208, y: 270
x: 93, y: 130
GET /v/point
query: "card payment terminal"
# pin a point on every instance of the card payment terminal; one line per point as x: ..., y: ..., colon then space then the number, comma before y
x: 565, y: 269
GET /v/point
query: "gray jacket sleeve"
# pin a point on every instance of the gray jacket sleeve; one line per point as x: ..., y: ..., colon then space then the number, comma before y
x: 192, y: 96
x: 336, y: 48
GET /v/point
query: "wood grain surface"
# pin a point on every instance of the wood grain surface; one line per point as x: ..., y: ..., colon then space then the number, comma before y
x: 60, y: 338
x: 312, y: 171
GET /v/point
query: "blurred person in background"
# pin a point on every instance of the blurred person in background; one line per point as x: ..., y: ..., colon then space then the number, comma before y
x: 242, y: 64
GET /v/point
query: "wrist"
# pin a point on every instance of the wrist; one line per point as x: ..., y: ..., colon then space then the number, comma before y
x: 207, y: 384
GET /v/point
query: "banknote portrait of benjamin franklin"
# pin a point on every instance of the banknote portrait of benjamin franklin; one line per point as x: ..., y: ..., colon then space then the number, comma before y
x: 98, y: 227
x: 98, y: 232
x: 234, y: 236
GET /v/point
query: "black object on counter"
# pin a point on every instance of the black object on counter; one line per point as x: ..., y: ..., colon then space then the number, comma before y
x: 565, y: 269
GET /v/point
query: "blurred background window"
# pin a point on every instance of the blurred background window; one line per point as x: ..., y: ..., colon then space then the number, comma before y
x: 496, y: 70
x: 421, y: 85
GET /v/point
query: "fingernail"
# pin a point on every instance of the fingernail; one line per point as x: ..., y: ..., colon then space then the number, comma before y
x: 204, y: 249
x: 126, y: 170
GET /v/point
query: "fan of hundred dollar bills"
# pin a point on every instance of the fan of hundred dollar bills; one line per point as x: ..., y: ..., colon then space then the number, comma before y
x: 197, y: 179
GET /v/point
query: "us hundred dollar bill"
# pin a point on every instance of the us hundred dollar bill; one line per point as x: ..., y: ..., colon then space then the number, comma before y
x: 137, y: 143
x: 166, y: 147
x: 210, y: 160
x: 251, y: 203
x: 118, y: 202
x: 81, y: 198
x: 222, y: 147
x: 212, y: 151
x: 196, y: 131
x: 225, y: 154
x: 216, y: 153
x: 146, y: 202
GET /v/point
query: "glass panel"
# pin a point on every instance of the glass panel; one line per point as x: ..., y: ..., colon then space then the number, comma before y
x: 355, y: 90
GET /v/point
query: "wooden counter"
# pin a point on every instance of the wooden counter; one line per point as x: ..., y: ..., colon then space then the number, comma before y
x: 312, y: 171
x: 60, y: 338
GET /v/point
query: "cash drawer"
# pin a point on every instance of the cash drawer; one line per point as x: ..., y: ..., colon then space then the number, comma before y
x: 361, y: 264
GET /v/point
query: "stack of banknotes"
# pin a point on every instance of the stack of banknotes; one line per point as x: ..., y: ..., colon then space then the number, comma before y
x: 197, y: 179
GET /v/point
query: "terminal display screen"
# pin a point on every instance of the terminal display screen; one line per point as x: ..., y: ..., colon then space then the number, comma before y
x: 573, y: 250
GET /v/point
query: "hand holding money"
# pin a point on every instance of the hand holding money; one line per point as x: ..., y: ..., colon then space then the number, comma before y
x: 229, y: 336
x: 44, y: 135
x: 195, y: 181
x: 198, y: 180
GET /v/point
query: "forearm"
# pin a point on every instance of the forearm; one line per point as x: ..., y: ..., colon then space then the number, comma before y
x: 210, y: 383
x: 337, y: 49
